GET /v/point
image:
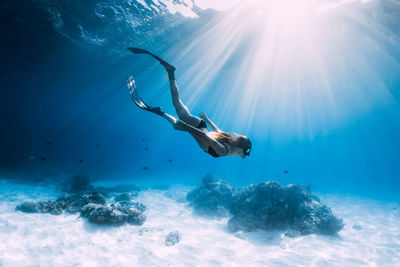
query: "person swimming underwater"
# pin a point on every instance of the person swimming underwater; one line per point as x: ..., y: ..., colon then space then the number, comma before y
x: 216, y: 142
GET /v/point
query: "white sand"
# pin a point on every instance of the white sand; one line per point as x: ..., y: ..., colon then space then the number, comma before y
x: 67, y: 240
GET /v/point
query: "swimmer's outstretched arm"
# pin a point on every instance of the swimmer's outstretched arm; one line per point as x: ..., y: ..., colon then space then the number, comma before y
x: 218, y: 147
x: 209, y: 122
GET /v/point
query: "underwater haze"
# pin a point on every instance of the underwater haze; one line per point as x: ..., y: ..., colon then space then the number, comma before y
x: 316, y: 90
x: 314, y: 84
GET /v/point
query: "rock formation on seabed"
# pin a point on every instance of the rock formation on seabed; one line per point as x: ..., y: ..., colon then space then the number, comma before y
x: 91, y: 203
x: 266, y: 206
x: 173, y: 238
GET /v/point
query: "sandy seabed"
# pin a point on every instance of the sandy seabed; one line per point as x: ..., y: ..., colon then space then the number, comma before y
x: 371, y: 236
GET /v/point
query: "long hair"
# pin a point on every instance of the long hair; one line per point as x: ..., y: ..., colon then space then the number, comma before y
x: 234, y: 141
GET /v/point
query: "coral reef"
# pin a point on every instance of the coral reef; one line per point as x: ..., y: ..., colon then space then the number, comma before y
x: 213, y: 197
x: 266, y: 206
x: 84, y: 198
x: 172, y: 238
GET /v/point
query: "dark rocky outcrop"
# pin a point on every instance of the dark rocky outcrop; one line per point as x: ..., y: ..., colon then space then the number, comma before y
x: 51, y: 207
x: 89, y: 208
x: 91, y: 205
x: 74, y: 202
x: 272, y: 206
x: 112, y: 215
x: 135, y: 216
x: 29, y: 207
x: 130, y: 204
x: 213, y: 197
x: 101, y: 214
x: 267, y: 206
x: 71, y: 203
x: 172, y: 238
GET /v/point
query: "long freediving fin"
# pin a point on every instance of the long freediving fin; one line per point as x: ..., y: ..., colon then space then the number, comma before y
x: 138, y: 100
x: 139, y: 51
x: 167, y: 66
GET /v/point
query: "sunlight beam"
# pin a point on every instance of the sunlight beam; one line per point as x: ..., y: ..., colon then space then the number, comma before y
x: 282, y: 67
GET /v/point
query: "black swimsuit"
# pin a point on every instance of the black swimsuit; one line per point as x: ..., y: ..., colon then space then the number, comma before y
x: 202, y: 124
x: 210, y: 150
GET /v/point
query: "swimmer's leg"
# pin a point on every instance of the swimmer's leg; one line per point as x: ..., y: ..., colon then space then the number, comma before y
x: 182, y: 111
x: 182, y: 126
x: 178, y: 124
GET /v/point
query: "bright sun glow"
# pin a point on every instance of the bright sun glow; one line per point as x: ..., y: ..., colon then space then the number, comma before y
x: 289, y: 65
x: 281, y: 11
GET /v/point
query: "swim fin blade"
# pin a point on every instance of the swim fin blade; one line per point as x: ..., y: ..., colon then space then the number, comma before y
x: 138, y: 50
x: 168, y: 67
x: 138, y: 100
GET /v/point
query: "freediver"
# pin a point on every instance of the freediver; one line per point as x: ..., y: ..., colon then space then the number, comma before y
x: 216, y: 142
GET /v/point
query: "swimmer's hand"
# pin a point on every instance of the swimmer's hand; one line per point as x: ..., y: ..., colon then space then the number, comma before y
x: 203, y: 115
x: 209, y: 122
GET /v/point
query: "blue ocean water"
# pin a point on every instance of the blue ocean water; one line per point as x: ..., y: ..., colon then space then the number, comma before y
x: 316, y: 91
x: 314, y: 84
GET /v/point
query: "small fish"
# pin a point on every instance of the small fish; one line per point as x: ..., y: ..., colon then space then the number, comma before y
x: 43, y: 158
x: 97, y: 146
x: 81, y: 160
x: 145, y: 168
x: 286, y: 171
x: 49, y: 141
x: 143, y: 139
x: 146, y: 148
x: 170, y: 160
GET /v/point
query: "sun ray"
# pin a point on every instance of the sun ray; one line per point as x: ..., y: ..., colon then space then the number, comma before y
x: 286, y: 67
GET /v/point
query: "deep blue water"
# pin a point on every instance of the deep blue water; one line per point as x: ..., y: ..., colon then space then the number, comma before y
x: 320, y: 102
